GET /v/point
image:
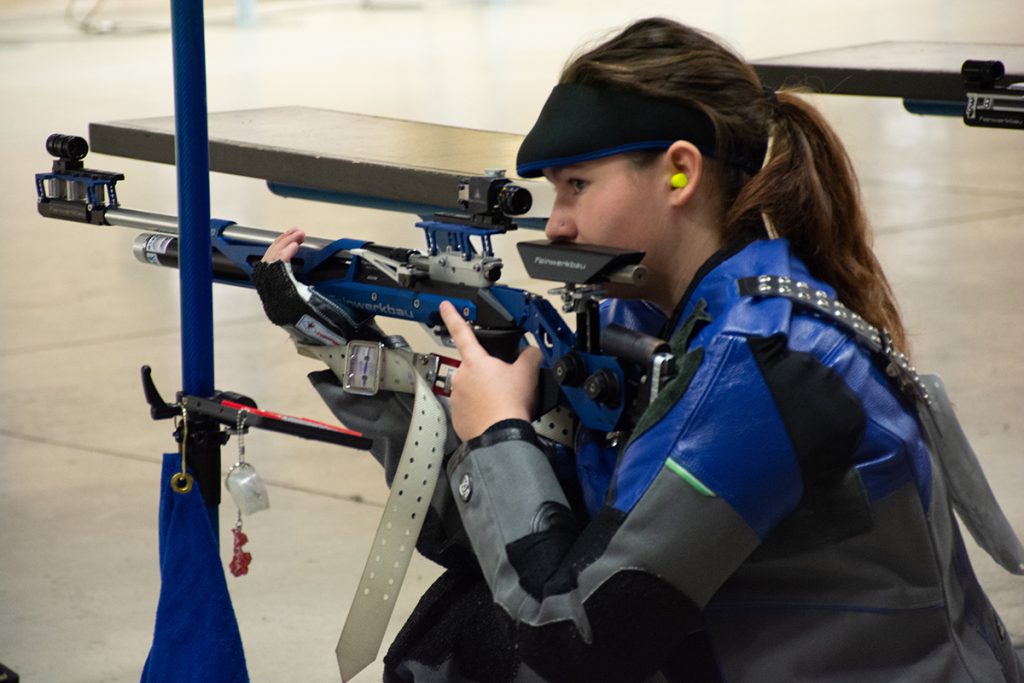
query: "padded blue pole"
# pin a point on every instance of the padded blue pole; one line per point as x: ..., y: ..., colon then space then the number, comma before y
x: 191, y: 140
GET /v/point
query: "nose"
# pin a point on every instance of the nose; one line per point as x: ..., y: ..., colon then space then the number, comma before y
x: 560, y: 225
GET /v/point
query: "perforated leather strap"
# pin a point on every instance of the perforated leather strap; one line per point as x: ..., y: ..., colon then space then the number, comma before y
x: 399, y: 527
x: 818, y: 301
x: 397, y: 372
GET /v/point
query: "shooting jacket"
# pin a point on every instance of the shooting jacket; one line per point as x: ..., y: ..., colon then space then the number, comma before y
x: 774, y: 516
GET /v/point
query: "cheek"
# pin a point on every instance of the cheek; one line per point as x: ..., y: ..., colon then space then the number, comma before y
x: 638, y: 228
x: 615, y: 223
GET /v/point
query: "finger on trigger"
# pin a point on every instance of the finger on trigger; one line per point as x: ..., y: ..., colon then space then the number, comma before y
x: 458, y: 328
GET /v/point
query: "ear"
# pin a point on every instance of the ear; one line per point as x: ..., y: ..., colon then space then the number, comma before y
x: 683, y: 157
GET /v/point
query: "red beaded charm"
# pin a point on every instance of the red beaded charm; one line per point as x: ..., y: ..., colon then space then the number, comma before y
x: 240, y: 561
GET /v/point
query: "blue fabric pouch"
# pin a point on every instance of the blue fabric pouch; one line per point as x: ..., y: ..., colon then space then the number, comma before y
x: 196, y: 638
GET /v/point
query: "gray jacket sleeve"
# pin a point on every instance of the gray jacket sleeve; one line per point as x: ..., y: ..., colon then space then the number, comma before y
x: 610, y: 601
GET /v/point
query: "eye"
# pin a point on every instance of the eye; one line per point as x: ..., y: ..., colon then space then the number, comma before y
x: 577, y: 185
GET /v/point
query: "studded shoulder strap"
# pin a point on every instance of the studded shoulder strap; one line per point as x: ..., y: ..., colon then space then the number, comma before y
x: 867, y: 335
x: 969, y: 491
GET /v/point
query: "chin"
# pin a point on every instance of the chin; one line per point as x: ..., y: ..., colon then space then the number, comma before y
x: 618, y: 291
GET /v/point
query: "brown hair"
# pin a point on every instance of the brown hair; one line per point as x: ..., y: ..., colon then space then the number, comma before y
x: 807, y: 189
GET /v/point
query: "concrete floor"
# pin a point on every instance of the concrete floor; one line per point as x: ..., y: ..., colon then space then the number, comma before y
x: 79, y: 456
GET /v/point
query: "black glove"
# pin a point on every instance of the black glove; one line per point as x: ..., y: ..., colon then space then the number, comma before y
x: 309, y: 317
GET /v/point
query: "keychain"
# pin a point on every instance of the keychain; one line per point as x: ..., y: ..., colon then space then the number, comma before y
x: 250, y: 495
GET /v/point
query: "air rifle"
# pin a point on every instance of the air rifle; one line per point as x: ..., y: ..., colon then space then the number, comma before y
x: 605, y: 377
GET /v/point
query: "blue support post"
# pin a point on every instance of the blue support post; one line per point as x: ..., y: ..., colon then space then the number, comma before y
x: 191, y: 141
x: 196, y: 637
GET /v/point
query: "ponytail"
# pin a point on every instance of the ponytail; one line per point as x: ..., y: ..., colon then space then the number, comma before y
x: 808, y: 193
x: 807, y: 190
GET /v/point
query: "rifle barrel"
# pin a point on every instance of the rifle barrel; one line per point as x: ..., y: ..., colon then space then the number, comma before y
x: 168, y: 225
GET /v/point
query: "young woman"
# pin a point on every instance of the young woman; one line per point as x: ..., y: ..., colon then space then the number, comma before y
x: 776, y: 515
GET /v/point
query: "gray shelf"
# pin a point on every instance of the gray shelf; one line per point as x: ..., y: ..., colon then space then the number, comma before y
x: 910, y: 70
x: 357, y: 158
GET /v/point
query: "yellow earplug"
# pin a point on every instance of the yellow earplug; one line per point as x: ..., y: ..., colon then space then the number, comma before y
x: 679, y: 180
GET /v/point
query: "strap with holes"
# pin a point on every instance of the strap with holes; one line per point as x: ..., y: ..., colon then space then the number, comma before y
x: 399, y: 527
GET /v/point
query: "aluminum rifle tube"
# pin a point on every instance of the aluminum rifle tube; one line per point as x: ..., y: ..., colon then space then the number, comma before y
x: 142, y: 220
x: 168, y: 225
x: 241, y: 233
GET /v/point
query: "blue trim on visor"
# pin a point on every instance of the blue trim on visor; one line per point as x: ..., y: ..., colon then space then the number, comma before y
x: 525, y: 170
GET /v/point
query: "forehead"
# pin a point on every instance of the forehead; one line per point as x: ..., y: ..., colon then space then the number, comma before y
x: 556, y: 173
x: 609, y: 164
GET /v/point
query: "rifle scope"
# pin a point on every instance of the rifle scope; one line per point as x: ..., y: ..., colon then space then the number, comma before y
x: 69, y: 147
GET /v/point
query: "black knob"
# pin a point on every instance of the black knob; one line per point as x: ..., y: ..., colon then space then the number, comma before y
x: 603, y: 387
x: 570, y: 370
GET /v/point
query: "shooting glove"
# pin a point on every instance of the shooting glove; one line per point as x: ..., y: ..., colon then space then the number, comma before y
x: 308, y: 316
